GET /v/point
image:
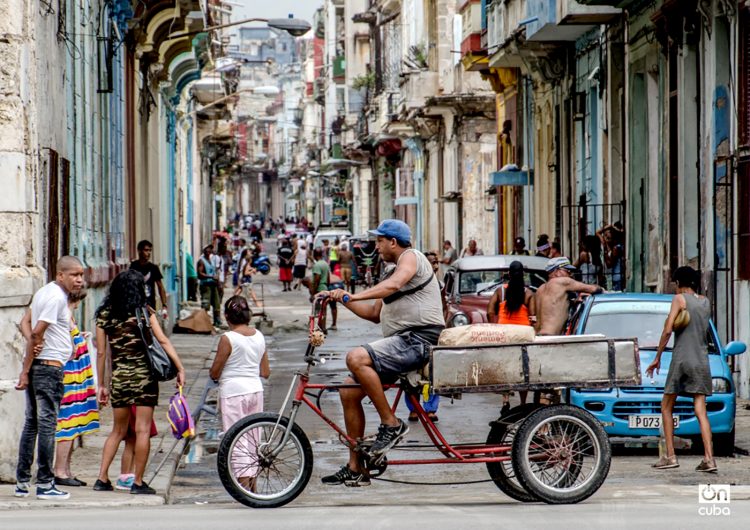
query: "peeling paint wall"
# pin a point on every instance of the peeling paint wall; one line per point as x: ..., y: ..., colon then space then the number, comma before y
x: 479, y: 158
x: 21, y: 220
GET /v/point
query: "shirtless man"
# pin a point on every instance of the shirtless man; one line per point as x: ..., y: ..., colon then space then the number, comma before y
x: 550, y: 304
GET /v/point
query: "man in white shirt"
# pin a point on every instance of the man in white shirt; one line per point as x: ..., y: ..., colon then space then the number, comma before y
x: 41, y: 377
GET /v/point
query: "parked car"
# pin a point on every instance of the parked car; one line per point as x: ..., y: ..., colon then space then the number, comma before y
x: 471, y: 281
x: 635, y: 411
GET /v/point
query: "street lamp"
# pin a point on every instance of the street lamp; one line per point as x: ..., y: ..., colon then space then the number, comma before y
x: 294, y: 26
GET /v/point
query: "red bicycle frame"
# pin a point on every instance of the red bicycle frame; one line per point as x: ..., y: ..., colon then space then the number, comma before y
x: 453, y: 454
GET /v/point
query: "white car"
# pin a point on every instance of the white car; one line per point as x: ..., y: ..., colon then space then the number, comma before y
x: 331, y: 235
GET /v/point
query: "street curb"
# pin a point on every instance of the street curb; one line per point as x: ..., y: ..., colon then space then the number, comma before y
x: 162, y: 482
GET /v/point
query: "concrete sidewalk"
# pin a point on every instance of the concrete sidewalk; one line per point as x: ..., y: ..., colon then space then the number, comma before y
x: 194, y: 350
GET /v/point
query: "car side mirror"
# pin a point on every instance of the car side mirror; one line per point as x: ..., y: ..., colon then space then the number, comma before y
x: 735, y: 348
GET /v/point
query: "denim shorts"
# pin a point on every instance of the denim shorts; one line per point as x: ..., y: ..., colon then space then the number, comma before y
x: 399, y: 354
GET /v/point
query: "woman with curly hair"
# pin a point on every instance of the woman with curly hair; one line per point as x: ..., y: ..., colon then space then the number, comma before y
x: 119, y: 341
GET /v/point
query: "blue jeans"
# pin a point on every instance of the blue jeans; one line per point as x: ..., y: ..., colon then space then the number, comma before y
x: 43, y: 396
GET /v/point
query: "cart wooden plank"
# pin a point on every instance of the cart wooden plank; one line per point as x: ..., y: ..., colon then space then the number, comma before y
x: 556, y: 362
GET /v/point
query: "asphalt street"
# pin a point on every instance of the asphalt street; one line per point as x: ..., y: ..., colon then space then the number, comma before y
x: 633, y: 496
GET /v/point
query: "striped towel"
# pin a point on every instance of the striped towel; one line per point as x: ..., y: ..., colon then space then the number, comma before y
x: 79, y: 413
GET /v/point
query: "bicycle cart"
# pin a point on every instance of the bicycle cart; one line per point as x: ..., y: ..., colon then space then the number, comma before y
x: 554, y: 453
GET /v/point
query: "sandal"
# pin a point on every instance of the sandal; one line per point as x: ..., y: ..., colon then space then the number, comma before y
x: 666, y: 462
x: 707, y: 466
x: 413, y: 416
x: 433, y: 417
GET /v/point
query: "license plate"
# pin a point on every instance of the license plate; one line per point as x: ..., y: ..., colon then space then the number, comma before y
x: 649, y: 421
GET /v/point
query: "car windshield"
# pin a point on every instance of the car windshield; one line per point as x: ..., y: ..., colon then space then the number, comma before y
x: 471, y: 282
x: 643, y: 320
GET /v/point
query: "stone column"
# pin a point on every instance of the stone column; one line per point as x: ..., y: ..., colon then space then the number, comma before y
x: 20, y: 272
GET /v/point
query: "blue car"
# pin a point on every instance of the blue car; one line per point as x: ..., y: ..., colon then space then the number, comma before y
x: 636, y: 411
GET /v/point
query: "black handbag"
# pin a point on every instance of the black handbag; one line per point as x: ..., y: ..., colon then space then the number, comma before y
x: 162, y: 367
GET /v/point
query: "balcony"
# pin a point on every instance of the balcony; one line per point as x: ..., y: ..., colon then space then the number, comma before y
x: 472, y: 51
x: 564, y: 20
x: 418, y: 87
x: 572, y: 12
x: 339, y: 68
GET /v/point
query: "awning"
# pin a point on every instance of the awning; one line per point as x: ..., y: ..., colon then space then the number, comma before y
x: 512, y: 178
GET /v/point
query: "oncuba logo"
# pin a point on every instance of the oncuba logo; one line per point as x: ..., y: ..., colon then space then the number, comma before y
x: 714, y: 499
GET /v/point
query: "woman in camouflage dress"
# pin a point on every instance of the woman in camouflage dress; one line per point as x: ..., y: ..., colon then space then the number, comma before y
x: 131, y: 383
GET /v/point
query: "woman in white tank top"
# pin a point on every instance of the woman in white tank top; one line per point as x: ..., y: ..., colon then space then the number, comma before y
x: 241, y: 360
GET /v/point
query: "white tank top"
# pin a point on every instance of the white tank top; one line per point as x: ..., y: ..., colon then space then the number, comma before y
x: 301, y: 258
x: 241, y: 374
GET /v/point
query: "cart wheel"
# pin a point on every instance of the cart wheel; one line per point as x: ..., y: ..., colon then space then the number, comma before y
x: 261, y: 482
x: 502, y: 432
x: 561, y: 454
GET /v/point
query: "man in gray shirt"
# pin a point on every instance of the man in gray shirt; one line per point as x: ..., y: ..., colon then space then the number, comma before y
x: 409, y: 309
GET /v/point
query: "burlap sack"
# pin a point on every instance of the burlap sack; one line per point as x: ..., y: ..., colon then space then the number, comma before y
x: 486, y: 334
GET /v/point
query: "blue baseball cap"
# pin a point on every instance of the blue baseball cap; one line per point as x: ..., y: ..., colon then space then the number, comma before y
x: 393, y: 229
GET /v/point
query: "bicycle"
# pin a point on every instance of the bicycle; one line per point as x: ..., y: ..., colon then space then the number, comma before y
x: 556, y: 454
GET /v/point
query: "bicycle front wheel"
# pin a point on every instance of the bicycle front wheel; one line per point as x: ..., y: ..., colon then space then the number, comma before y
x: 248, y: 471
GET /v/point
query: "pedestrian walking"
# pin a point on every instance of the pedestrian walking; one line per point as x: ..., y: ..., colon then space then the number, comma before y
x: 689, y: 371
x: 321, y: 275
x: 208, y: 277
x: 333, y: 256
x: 151, y: 275
x: 346, y: 261
x: 120, y: 346
x: 245, y: 287
x: 41, y: 378
x: 286, y: 264
x: 300, y: 263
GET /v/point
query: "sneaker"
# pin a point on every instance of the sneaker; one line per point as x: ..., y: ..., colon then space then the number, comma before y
x: 666, y: 462
x: 22, y: 490
x: 707, y: 467
x: 125, y: 482
x: 347, y: 477
x: 51, y: 494
x: 388, y: 437
x: 100, y: 485
x: 143, y: 489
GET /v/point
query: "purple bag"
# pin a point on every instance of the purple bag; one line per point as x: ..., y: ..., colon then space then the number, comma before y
x: 179, y: 416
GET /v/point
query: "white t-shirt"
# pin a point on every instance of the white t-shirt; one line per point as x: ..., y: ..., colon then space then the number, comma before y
x: 50, y: 304
x: 241, y: 374
x: 218, y: 263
